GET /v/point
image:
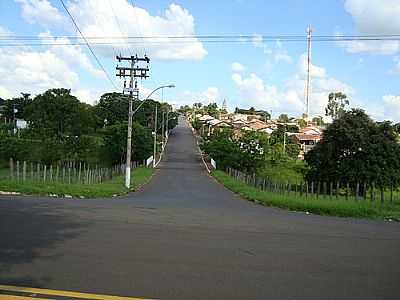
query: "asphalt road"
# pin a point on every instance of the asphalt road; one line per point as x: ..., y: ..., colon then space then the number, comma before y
x: 184, y: 236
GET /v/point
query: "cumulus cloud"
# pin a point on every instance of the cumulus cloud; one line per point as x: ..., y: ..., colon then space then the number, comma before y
x: 374, y: 17
x: 290, y: 99
x: 274, y: 51
x: 97, y: 18
x: 391, y: 106
x: 211, y: 94
x: 72, y: 54
x: 41, y: 12
x: 237, y: 67
x: 29, y: 71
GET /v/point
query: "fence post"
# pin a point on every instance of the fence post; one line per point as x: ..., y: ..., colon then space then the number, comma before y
x: 337, y: 189
x: 11, y: 162
x: 44, y: 173
x: 357, y: 191
x: 17, y: 170
x: 382, y: 194
x: 347, y: 191
x: 365, y: 191
x: 306, y: 189
x: 312, y: 188
x: 51, y: 173
x: 391, y: 192
x: 330, y: 190
x: 24, y: 171
x: 32, y: 172
x: 373, y: 192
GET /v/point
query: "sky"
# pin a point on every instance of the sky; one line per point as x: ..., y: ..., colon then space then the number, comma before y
x: 267, y: 74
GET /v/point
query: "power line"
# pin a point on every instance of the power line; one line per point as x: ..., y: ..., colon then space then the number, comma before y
x: 88, y: 45
x: 155, y: 43
x: 217, y: 37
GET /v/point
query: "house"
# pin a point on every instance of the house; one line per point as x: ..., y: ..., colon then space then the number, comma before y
x: 216, y: 124
x: 2, y: 108
x: 307, y: 141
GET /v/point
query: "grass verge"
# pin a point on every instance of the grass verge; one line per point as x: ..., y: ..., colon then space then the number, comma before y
x: 110, y: 188
x: 319, y: 206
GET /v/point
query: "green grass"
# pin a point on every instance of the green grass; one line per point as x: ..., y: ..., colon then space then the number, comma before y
x: 110, y: 188
x: 285, y: 172
x: 341, y: 208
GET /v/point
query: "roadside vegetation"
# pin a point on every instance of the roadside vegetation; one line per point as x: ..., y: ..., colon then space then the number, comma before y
x: 356, y: 157
x: 110, y: 188
x: 321, y: 206
x: 62, y: 130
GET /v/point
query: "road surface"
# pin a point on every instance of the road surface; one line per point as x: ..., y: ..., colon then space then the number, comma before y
x: 184, y: 236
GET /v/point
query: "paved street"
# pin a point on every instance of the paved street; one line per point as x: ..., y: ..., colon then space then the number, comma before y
x: 184, y: 236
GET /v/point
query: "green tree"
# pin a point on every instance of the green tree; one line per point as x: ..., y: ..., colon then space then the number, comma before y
x: 337, y: 103
x: 223, y: 149
x: 354, y: 149
x: 318, y: 120
x: 114, y: 145
x: 56, y: 113
x: 283, y: 118
x: 18, y: 104
x: 212, y: 110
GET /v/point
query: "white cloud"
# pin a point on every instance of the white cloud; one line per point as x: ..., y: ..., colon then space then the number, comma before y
x: 274, y: 51
x: 72, y: 54
x: 237, y: 67
x: 391, y: 105
x: 40, y: 11
x: 396, y: 69
x: 211, y: 94
x: 253, y: 91
x: 96, y: 18
x: 374, y: 17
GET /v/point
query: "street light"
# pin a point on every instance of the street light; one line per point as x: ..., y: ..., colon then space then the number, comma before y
x: 128, y: 161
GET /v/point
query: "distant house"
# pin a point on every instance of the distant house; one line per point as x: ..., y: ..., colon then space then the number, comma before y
x: 306, y: 140
x: 2, y: 108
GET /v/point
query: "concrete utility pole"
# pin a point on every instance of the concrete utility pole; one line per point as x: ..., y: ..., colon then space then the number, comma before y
x: 133, y: 72
x: 308, y: 83
x: 155, y: 140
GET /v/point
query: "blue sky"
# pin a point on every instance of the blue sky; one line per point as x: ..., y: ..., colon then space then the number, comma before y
x: 266, y: 74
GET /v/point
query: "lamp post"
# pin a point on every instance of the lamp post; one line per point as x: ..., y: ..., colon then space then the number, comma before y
x: 127, y: 176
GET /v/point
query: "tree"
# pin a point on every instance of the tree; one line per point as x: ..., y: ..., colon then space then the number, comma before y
x: 56, y: 113
x: 223, y: 149
x: 318, y: 120
x: 253, y: 148
x: 114, y: 147
x: 18, y: 104
x: 112, y: 109
x: 283, y: 118
x: 337, y: 103
x: 355, y: 149
x: 212, y: 110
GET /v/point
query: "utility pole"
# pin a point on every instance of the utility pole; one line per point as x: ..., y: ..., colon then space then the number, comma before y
x: 155, y: 140
x: 166, y: 126
x: 133, y: 72
x: 308, y: 83
x: 163, y: 130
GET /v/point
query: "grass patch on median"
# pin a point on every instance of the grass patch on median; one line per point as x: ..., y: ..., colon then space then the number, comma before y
x: 319, y: 206
x: 109, y: 188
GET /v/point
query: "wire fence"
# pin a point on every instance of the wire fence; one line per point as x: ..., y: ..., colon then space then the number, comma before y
x: 68, y: 172
x: 319, y: 189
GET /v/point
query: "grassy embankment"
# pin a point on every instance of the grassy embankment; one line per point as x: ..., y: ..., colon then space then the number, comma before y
x: 109, y: 188
x: 321, y: 206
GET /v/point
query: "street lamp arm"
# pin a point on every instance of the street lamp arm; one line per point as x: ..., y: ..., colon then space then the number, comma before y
x: 149, y: 95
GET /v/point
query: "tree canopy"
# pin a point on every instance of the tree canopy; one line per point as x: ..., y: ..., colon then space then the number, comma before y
x: 353, y: 149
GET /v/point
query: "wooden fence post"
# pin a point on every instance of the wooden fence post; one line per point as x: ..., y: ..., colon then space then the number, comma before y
x: 17, y: 170
x: 51, y: 173
x: 382, y: 194
x: 357, y: 190
x: 32, y: 171
x: 44, y: 173
x: 11, y: 163
x: 24, y: 171
x: 391, y: 192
